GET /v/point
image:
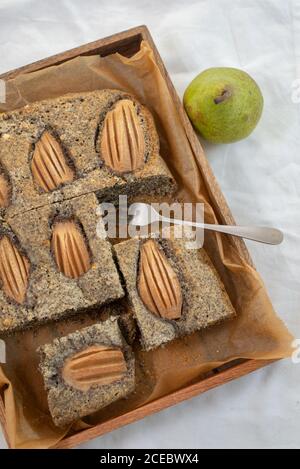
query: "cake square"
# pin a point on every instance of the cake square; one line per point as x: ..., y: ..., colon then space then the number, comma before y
x: 173, y: 291
x: 55, y: 261
x: 86, y: 371
x: 54, y: 150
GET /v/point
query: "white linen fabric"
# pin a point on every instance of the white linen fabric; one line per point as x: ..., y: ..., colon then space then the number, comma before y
x: 260, y: 178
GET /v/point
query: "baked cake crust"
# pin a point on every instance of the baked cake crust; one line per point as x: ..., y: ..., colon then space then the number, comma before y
x: 68, y: 403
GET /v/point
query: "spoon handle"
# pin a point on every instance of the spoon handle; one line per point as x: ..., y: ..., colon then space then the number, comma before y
x: 260, y: 234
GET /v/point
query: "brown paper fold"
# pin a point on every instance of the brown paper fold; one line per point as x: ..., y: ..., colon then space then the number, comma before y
x: 256, y: 332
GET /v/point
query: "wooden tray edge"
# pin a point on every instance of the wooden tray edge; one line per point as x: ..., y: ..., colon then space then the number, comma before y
x: 154, y: 407
x: 103, y: 46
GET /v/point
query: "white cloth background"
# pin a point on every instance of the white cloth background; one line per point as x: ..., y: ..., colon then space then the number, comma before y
x: 260, y: 178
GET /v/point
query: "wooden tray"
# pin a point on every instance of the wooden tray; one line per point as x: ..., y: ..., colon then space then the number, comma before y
x: 128, y: 43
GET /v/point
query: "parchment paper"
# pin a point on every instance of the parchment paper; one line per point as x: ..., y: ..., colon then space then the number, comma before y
x: 257, y: 332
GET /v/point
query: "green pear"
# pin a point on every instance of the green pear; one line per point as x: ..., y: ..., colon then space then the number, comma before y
x: 224, y: 104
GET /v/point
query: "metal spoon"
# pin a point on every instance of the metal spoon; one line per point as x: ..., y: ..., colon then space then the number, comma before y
x: 144, y: 214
